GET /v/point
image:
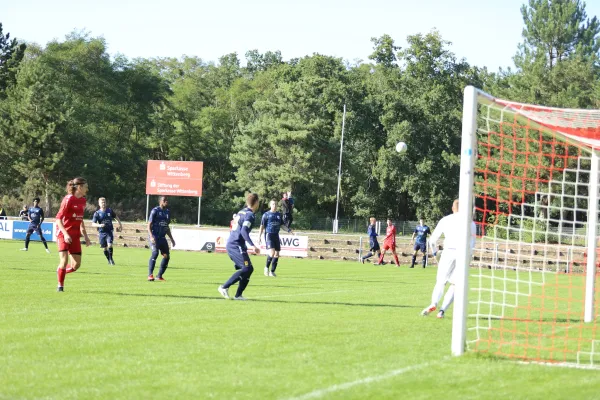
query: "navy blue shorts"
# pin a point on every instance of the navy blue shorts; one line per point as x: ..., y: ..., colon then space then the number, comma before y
x: 374, y: 245
x: 420, y: 246
x: 160, y: 245
x: 35, y: 228
x: 272, y: 241
x: 239, y: 255
x: 105, y: 238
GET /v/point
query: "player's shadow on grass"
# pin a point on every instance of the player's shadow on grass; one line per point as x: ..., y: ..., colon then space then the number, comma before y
x: 347, y: 280
x: 178, y: 296
x: 532, y: 321
x: 44, y: 271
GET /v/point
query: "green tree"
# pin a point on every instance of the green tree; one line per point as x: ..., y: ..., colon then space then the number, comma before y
x: 11, y: 54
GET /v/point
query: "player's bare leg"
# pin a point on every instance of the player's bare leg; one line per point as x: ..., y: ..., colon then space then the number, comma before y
x: 74, y: 264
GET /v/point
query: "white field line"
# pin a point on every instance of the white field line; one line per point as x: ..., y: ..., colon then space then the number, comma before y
x: 560, y: 365
x: 216, y: 297
x: 347, y: 385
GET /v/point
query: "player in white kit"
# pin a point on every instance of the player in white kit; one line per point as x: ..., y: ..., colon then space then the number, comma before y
x: 447, y: 264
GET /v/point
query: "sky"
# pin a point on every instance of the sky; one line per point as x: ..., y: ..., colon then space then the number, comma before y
x: 484, y: 32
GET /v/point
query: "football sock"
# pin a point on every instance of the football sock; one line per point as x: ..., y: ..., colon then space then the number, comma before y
x: 110, y: 252
x: 424, y: 261
x: 414, y: 258
x: 44, y: 241
x: 269, y: 259
x: 60, y: 274
x: 163, y: 265
x: 106, y: 254
x: 396, y: 260
x: 152, y: 262
x: 233, y: 279
x: 27, y: 239
x: 369, y: 255
x: 69, y: 269
x: 275, y: 261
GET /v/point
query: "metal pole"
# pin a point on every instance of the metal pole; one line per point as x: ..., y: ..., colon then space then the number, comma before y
x: 592, y: 228
x: 465, y: 217
x: 337, y: 201
x: 199, y: 207
x: 147, y: 205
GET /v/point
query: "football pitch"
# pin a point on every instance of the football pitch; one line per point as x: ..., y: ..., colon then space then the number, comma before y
x: 320, y: 330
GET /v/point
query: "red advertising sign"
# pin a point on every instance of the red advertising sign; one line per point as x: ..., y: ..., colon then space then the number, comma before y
x: 174, y: 178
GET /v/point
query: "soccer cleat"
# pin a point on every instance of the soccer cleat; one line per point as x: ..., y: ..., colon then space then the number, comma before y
x: 412, y: 266
x: 151, y: 278
x: 48, y: 251
x: 441, y: 314
x: 223, y: 292
x: 428, y: 310
x: 266, y: 271
x: 242, y: 298
x: 161, y: 279
x: 112, y: 262
x: 25, y: 249
x: 272, y: 273
x: 60, y: 289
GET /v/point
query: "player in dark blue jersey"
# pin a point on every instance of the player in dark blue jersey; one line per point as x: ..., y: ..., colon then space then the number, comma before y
x: 35, y: 216
x: 373, y: 243
x: 271, y: 224
x: 237, y: 249
x: 24, y: 213
x: 287, y: 207
x: 421, y: 232
x: 158, y: 230
x: 103, y: 220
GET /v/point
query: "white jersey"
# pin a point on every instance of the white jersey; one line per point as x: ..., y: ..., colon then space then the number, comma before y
x: 448, y: 226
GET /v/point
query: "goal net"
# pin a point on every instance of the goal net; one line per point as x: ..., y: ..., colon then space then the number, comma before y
x: 531, y: 173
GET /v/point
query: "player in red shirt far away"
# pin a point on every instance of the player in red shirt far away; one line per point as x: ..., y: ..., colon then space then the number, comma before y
x: 389, y: 243
x: 70, y: 225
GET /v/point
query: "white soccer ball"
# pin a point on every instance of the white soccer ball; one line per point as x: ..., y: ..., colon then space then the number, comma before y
x: 401, y: 147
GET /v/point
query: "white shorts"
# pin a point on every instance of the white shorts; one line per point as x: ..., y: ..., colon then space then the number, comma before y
x: 446, y: 267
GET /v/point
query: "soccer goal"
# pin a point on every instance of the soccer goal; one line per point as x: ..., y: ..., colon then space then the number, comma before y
x: 531, y: 176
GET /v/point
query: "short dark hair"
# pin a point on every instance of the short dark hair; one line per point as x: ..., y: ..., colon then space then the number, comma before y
x: 36, y: 199
x: 163, y: 198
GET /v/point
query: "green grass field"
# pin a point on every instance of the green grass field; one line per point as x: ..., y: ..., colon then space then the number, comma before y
x: 332, y: 330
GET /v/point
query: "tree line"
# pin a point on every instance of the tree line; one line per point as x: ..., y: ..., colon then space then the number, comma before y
x: 69, y: 108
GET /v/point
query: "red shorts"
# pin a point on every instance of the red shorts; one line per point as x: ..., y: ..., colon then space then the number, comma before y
x: 389, y: 246
x: 73, y: 248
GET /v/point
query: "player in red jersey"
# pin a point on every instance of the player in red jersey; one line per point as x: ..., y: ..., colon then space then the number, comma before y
x: 389, y: 243
x: 70, y: 225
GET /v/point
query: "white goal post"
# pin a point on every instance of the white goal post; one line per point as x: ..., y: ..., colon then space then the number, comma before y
x: 529, y: 179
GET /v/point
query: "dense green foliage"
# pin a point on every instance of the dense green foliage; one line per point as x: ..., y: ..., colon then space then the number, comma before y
x: 70, y: 109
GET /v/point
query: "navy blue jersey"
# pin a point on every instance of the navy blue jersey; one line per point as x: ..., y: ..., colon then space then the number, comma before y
x: 160, y: 220
x: 104, y: 217
x: 271, y: 221
x: 422, y: 232
x: 36, y: 215
x: 372, y: 232
x: 240, y: 234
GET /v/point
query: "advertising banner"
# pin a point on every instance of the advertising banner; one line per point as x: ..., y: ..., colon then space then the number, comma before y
x: 174, y: 178
x: 19, y: 231
x: 189, y: 239
x: 6, y: 229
